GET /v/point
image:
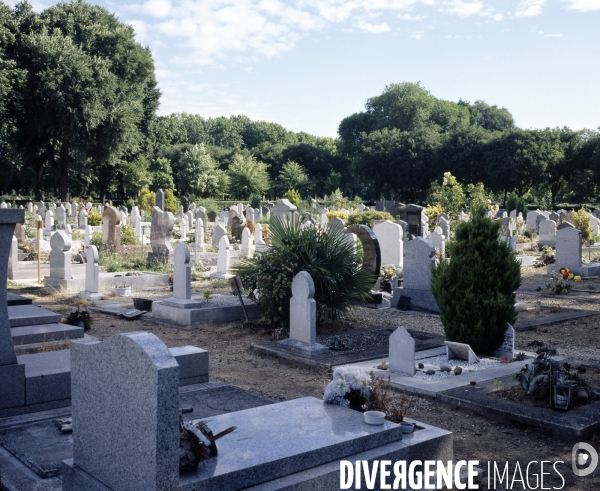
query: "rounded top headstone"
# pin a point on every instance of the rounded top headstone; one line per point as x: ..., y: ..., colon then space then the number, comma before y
x: 60, y: 241
x: 224, y: 243
x: 182, y: 253
x: 303, y: 285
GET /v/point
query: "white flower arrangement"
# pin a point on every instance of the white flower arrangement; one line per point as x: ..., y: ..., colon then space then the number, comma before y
x: 346, y: 379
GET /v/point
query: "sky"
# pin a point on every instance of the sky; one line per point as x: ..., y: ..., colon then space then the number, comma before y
x: 307, y: 64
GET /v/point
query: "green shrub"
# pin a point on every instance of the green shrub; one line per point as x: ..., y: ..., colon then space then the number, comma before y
x: 94, y: 218
x: 581, y: 221
x: 368, y: 217
x: 255, y: 201
x: 128, y: 235
x: 209, y: 204
x: 96, y: 239
x: 293, y: 197
x: 326, y: 255
x: 475, y: 290
x: 337, y: 214
x: 146, y: 200
x: 170, y: 201
x: 514, y: 202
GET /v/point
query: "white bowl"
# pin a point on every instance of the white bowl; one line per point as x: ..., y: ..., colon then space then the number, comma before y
x: 374, y: 417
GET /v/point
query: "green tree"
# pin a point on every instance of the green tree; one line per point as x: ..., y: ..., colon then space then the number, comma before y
x: 293, y: 176
x: 247, y: 176
x: 199, y: 175
x: 490, y: 117
x: 475, y: 290
x: 162, y: 174
x: 293, y: 197
x: 136, y: 175
x: 581, y: 221
x: 88, y: 94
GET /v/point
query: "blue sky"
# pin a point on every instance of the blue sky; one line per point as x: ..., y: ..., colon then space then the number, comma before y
x: 307, y: 64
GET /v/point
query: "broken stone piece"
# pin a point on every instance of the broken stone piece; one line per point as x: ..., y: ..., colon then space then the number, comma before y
x: 457, y: 370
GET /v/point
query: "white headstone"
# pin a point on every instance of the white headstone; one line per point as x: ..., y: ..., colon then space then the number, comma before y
x: 13, y: 258
x: 419, y: 255
x: 60, y: 255
x: 548, y: 233
x: 259, y: 243
x: 88, y: 236
x: 92, y: 274
x: 460, y: 351
x: 303, y: 309
x: 390, y: 240
x: 200, y: 247
x: 402, y: 352
x: 217, y: 233
x: 224, y: 256
x: 247, y: 245
x: 568, y: 248
x: 182, y: 274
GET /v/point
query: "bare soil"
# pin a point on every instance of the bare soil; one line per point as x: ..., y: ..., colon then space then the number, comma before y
x: 475, y: 437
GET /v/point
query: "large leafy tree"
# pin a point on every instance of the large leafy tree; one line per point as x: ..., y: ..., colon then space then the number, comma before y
x: 88, y: 94
x: 199, y: 175
x: 247, y: 176
x: 292, y: 176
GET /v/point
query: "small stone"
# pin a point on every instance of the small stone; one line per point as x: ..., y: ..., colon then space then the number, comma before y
x: 473, y: 382
x: 420, y: 365
x: 445, y: 368
x: 457, y: 370
x: 430, y: 372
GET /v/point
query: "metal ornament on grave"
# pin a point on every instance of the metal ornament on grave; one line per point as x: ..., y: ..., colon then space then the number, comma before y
x: 371, y: 250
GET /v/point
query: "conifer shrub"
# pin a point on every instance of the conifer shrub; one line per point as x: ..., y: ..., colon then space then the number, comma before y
x: 368, y: 217
x: 337, y: 214
x: 94, y: 218
x: 475, y: 290
x: 293, y: 197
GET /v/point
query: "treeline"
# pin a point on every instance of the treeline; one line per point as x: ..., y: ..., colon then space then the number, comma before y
x: 78, y: 118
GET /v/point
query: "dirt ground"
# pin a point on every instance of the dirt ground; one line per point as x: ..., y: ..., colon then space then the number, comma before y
x: 476, y: 437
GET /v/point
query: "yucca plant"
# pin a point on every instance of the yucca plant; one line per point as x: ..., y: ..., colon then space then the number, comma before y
x: 327, y: 255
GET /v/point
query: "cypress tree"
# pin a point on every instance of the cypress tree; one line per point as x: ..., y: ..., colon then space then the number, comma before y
x: 475, y: 290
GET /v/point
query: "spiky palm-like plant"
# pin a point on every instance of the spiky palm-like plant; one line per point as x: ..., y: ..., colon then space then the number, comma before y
x: 326, y: 254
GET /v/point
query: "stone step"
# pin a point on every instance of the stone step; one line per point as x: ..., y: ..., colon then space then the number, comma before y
x: 31, y: 315
x: 44, y: 332
x: 14, y: 299
x: 47, y: 376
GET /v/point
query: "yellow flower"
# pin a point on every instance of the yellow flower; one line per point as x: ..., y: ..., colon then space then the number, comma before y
x: 577, y: 278
x: 571, y: 276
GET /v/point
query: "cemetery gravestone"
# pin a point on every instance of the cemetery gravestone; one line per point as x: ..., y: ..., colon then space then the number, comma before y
x: 126, y: 390
x: 13, y: 258
x: 568, y: 248
x: 83, y: 219
x: 160, y: 199
x: 371, y: 249
x: 439, y: 242
x: 111, y: 227
x: 160, y: 235
x: 237, y: 225
x: 60, y: 255
x: 259, y: 243
x: 547, y: 233
x: 540, y: 218
x: 564, y: 225
x: 246, y: 241
x: 200, y: 247
x: 182, y: 277
x: 390, y: 240
x: 460, y: 351
x: 283, y: 209
x: 224, y: 256
x: 303, y: 309
x: 49, y: 225
x: 507, y: 348
x: 402, y: 352
x: 92, y: 270
x: 218, y: 232
x: 212, y: 216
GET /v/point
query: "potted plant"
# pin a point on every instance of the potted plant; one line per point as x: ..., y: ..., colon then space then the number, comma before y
x: 80, y: 318
x: 122, y: 290
x: 388, y: 273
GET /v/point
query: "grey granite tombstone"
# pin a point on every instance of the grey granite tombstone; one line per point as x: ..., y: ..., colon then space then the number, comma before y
x: 460, y: 351
x: 49, y: 222
x: 419, y: 256
x: 125, y: 407
x: 212, y: 216
x: 61, y: 215
x: 404, y: 226
x: 233, y: 212
x: 547, y: 233
x: 160, y: 199
x: 564, y: 225
x: 189, y: 215
x: 390, y: 240
x: 303, y: 318
x: 540, y: 218
x: 568, y: 248
x: 60, y: 255
x: 83, y: 218
x: 283, y: 208
x: 336, y: 222
x: 182, y: 277
x: 8, y: 219
x: 554, y: 217
x: 218, y: 232
x: 507, y: 348
x: 371, y: 250
x: 111, y: 227
x: 160, y: 235
x: 402, y: 352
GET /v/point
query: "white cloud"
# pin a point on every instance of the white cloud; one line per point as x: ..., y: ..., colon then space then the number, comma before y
x: 372, y: 28
x: 463, y: 8
x: 529, y: 8
x: 583, y: 5
x: 418, y: 35
x: 411, y: 17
